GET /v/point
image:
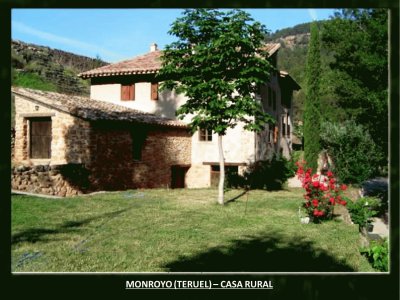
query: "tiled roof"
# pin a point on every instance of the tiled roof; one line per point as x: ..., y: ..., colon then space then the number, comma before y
x: 271, y: 48
x: 148, y: 63
x: 93, y: 110
x: 143, y: 64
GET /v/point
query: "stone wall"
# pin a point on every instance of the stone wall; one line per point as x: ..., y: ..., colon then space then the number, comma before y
x: 60, y: 180
x: 113, y: 168
x: 12, y: 143
x: 98, y: 155
x: 70, y: 135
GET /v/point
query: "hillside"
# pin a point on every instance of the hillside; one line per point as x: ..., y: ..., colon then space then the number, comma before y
x: 50, y: 69
x: 292, y: 58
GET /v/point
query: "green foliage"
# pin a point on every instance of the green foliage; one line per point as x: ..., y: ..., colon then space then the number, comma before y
x: 298, y: 29
x: 352, y: 149
x: 358, y: 40
x: 218, y: 64
x: 269, y: 174
x: 362, y: 210
x: 312, y: 106
x: 17, y: 60
x: 378, y: 255
x: 33, y: 81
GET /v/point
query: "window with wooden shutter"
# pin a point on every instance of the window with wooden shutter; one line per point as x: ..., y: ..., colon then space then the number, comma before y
x: 128, y: 92
x: 40, y: 138
x: 154, y: 91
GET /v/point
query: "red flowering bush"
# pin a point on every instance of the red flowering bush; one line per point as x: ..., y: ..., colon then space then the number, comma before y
x: 322, y: 193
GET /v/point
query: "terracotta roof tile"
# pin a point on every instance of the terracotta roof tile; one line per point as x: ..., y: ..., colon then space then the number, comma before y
x: 144, y: 64
x: 93, y: 110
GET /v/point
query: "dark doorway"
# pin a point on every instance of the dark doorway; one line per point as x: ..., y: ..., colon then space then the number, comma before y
x: 178, y: 174
x: 40, y: 138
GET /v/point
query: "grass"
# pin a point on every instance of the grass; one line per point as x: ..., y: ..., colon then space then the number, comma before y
x: 33, y: 81
x: 178, y: 231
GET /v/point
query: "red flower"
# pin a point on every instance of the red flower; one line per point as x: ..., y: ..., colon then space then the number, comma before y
x: 343, y: 187
x: 329, y: 174
x: 332, y: 200
x: 315, y: 184
x: 332, y: 180
x: 343, y: 203
x: 323, y: 187
x: 315, y: 202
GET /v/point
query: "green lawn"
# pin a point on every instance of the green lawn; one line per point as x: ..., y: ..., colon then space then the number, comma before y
x: 178, y: 231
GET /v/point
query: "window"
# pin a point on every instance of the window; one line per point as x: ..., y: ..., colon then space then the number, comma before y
x: 138, y: 139
x: 40, y: 138
x: 154, y: 91
x: 205, y: 135
x: 128, y: 92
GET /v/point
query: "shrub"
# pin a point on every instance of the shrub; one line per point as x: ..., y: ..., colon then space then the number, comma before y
x: 362, y: 211
x: 378, y: 255
x: 269, y: 174
x: 354, y: 154
x: 322, y: 193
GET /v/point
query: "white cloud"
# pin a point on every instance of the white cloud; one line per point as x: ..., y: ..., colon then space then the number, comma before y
x: 82, y: 46
x: 313, y: 14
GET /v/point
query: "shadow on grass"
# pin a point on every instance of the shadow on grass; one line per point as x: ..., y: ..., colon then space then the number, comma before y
x: 262, y: 254
x: 34, y: 235
x: 237, y: 197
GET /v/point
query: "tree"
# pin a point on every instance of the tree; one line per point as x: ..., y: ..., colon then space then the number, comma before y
x: 312, y: 118
x: 218, y: 63
x: 358, y: 39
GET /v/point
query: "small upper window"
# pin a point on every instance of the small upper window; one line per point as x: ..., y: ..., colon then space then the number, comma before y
x: 205, y: 135
x: 128, y: 92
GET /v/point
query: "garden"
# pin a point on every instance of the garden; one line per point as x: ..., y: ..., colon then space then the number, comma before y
x: 179, y: 231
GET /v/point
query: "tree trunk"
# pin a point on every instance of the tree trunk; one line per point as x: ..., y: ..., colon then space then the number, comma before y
x: 221, y: 172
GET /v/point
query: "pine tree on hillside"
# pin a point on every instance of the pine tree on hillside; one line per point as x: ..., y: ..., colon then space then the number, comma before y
x: 312, y: 117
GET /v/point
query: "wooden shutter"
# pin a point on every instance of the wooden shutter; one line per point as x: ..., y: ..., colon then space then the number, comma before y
x: 40, y: 138
x: 128, y: 92
x: 154, y: 91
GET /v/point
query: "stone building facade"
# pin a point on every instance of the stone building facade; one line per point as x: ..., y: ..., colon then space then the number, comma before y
x: 133, y: 83
x: 93, y: 145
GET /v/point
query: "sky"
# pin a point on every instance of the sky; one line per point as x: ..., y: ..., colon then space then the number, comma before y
x: 118, y: 34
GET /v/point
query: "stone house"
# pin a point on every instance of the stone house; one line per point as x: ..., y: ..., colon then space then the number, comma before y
x: 126, y: 134
x: 67, y: 145
x: 132, y: 83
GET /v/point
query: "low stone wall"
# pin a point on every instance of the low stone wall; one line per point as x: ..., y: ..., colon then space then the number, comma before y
x: 60, y: 180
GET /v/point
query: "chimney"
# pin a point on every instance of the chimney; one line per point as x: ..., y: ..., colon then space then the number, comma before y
x: 153, y: 47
